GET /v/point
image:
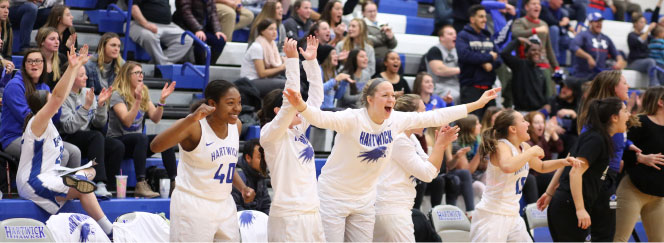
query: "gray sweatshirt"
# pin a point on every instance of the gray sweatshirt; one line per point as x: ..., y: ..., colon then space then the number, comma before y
x: 75, y: 117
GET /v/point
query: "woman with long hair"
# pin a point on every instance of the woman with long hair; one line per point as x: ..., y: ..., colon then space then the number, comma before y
x: 424, y: 87
x: 380, y: 34
x: 497, y: 214
x: 208, y: 139
x: 332, y: 13
x: 37, y: 179
x: 363, y: 146
x: 130, y: 105
x: 48, y: 41
x: 544, y: 134
x: 329, y: 60
x: 355, y: 67
x: 31, y: 78
x: 271, y: 10
x: 357, y: 39
x: 262, y: 63
x: 61, y: 19
x: 580, y: 188
x: 289, y: 155
x: 104, y: 65
x: 396, y: 187
x: 640, y: 191
x: 6, y: 32
x: 321, y: 30
x: 391, y: 66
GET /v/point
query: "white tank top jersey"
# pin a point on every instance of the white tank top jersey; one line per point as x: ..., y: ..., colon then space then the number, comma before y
x: 396, y: 186
x: 503, y: 190
x: 75, y: 227
x: 288, y: 153
x: 40, y: 155
x: 145, y: 227
x: 362, y: 147
x: 207, y: 171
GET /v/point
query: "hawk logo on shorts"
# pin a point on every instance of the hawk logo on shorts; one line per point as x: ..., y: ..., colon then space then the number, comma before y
x: 373, y: 155
x: 246, y: 219
x: 74, y: 221
x: 307, y: 154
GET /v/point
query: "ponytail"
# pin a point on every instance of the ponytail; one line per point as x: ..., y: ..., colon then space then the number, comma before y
x: 488, y: 145
x: 500, y: 130
x: 599, y: 118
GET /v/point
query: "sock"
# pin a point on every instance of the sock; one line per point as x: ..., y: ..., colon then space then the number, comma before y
x: 105, y: 225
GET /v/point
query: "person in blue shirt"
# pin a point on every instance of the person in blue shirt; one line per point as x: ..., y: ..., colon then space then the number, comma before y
x: 559, y: 24
x: 423, y: 86
x: 478, y: 58
x: 592, y: 50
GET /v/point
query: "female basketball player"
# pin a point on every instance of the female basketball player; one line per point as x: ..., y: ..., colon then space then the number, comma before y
x: 37, y: 178
x: 289, y: 155
x: 497, y: 215
x: 363, y: 145
x: 202, y: 208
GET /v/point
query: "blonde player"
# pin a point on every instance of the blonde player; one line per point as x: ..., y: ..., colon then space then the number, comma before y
x: 202, y: 208
x: 289, y: 155
x: 363, y: 145
x: 396, y: 186
x: 496, y: 217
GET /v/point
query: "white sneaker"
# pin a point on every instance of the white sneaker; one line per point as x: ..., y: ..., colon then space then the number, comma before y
x: 101, y: 190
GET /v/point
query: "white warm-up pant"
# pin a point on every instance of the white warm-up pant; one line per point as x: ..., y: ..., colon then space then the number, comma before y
x: 197, y: 219
x: 306, y: 227
x: 486, y: 227
x: 394, y: 227
x: 347, y: 220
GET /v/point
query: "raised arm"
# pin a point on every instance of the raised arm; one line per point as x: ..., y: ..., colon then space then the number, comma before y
x: 340, y: 121
x: 155, y: 113
x: 60, y: 92
x: 185, y: 131
x: 101, y: 114
x: 508, y: 163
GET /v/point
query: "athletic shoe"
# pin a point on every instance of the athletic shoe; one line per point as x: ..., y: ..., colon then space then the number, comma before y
x: 101, y: 191
x: 144, y: 190
x: 79, y: 182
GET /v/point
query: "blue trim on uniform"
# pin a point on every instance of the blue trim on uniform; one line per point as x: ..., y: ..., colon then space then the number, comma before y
x: 34, y: 181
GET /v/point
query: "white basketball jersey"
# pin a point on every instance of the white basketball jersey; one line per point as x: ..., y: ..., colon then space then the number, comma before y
x: 503, y: 190
x: 75, y: 227
x: 207, y: 171
x: 145, y: 227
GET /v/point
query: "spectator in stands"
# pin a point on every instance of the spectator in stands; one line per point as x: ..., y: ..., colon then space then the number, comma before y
x: 640, y: 193
x: 461, y: 15
x: 15, y: 108
x: 262, y: 63
x: 380, y: 34
x: 544, y: 133
x: 355, y: 66
x: 37, y: 178
x: 26, y: 15
x: 531, y: 25
x: 442, y: 63
x: 423, y: 86
x: 462, y: 169
x: 637, y: 41
x: 152, y: 27
x: 227, y: 12
x: 327, y: 57
x: 357, y: 39
x: 299, y: 23
x: 565, y: 107
x: 321, y: 30
x: 489, y: 117
x: 253, y: 171
x: 332, y: 13
x: 656, y: 50
x: 529, y: 88
x: 48, y: 42
x: 62, y: 20
x: 272, y: 11
x: 6, y: 32
x: 193, y: 15
x: 500, y: 21
x: 83, y: 117
x: 592, y: 50
x: 478, y: 57
x: 559, y: 26
x: 391, y: 65
x: 104, y: 65
x: 130, y: 104
x: 623, y: 7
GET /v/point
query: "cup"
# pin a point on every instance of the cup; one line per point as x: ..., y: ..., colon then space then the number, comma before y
x: 121, y: 185
x: 164, y: 187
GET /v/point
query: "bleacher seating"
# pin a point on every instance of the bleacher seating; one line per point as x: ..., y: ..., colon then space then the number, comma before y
x: 24, y: 230
x: 450, y: 223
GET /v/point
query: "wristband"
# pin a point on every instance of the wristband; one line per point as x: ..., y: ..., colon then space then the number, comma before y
x: 160, y: 104
x: 547, y: 193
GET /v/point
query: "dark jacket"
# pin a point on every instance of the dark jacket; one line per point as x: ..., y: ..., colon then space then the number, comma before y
x: 257, y: 182
x: 295, y: 28
x: 528, y: 80
x: 92, y: 71
x: 195, y: 15
x: 473, y: 49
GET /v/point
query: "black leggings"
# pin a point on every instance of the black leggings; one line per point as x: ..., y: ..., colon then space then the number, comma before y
x: 137, y: 148
x: 465, y: 189
x: 563, y: 223
x: 107, y: 152
x: 436, y: 187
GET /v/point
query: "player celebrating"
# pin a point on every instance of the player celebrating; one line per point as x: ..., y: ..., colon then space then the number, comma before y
x: 202, y: 208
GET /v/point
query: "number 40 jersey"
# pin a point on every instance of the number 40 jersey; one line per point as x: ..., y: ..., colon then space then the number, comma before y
x: 207, y: 171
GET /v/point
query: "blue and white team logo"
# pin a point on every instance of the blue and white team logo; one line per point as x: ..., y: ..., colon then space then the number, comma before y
x: 372, y: 156
x: 74, y: 221
x: 246, y: 219
x: 136, y: 125
x: 307, y: 155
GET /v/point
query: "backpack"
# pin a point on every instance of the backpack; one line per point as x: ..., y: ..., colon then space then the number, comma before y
x: 152, y: 176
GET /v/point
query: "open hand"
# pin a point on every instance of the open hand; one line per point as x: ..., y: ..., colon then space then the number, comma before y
x: 295, y: 98
x: 89, y: 98
x: 312, y: 47
x: 167, y: 90
x: 71, y: 40
x: 448, y: 97
x: 104, y: 95
x: 290, y: 48
x: 221, y: 35
x: 652, y: 160
x: 138, y: 92
x: 489, y: 95
x: 200, y: 35
x: 446, y: 135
